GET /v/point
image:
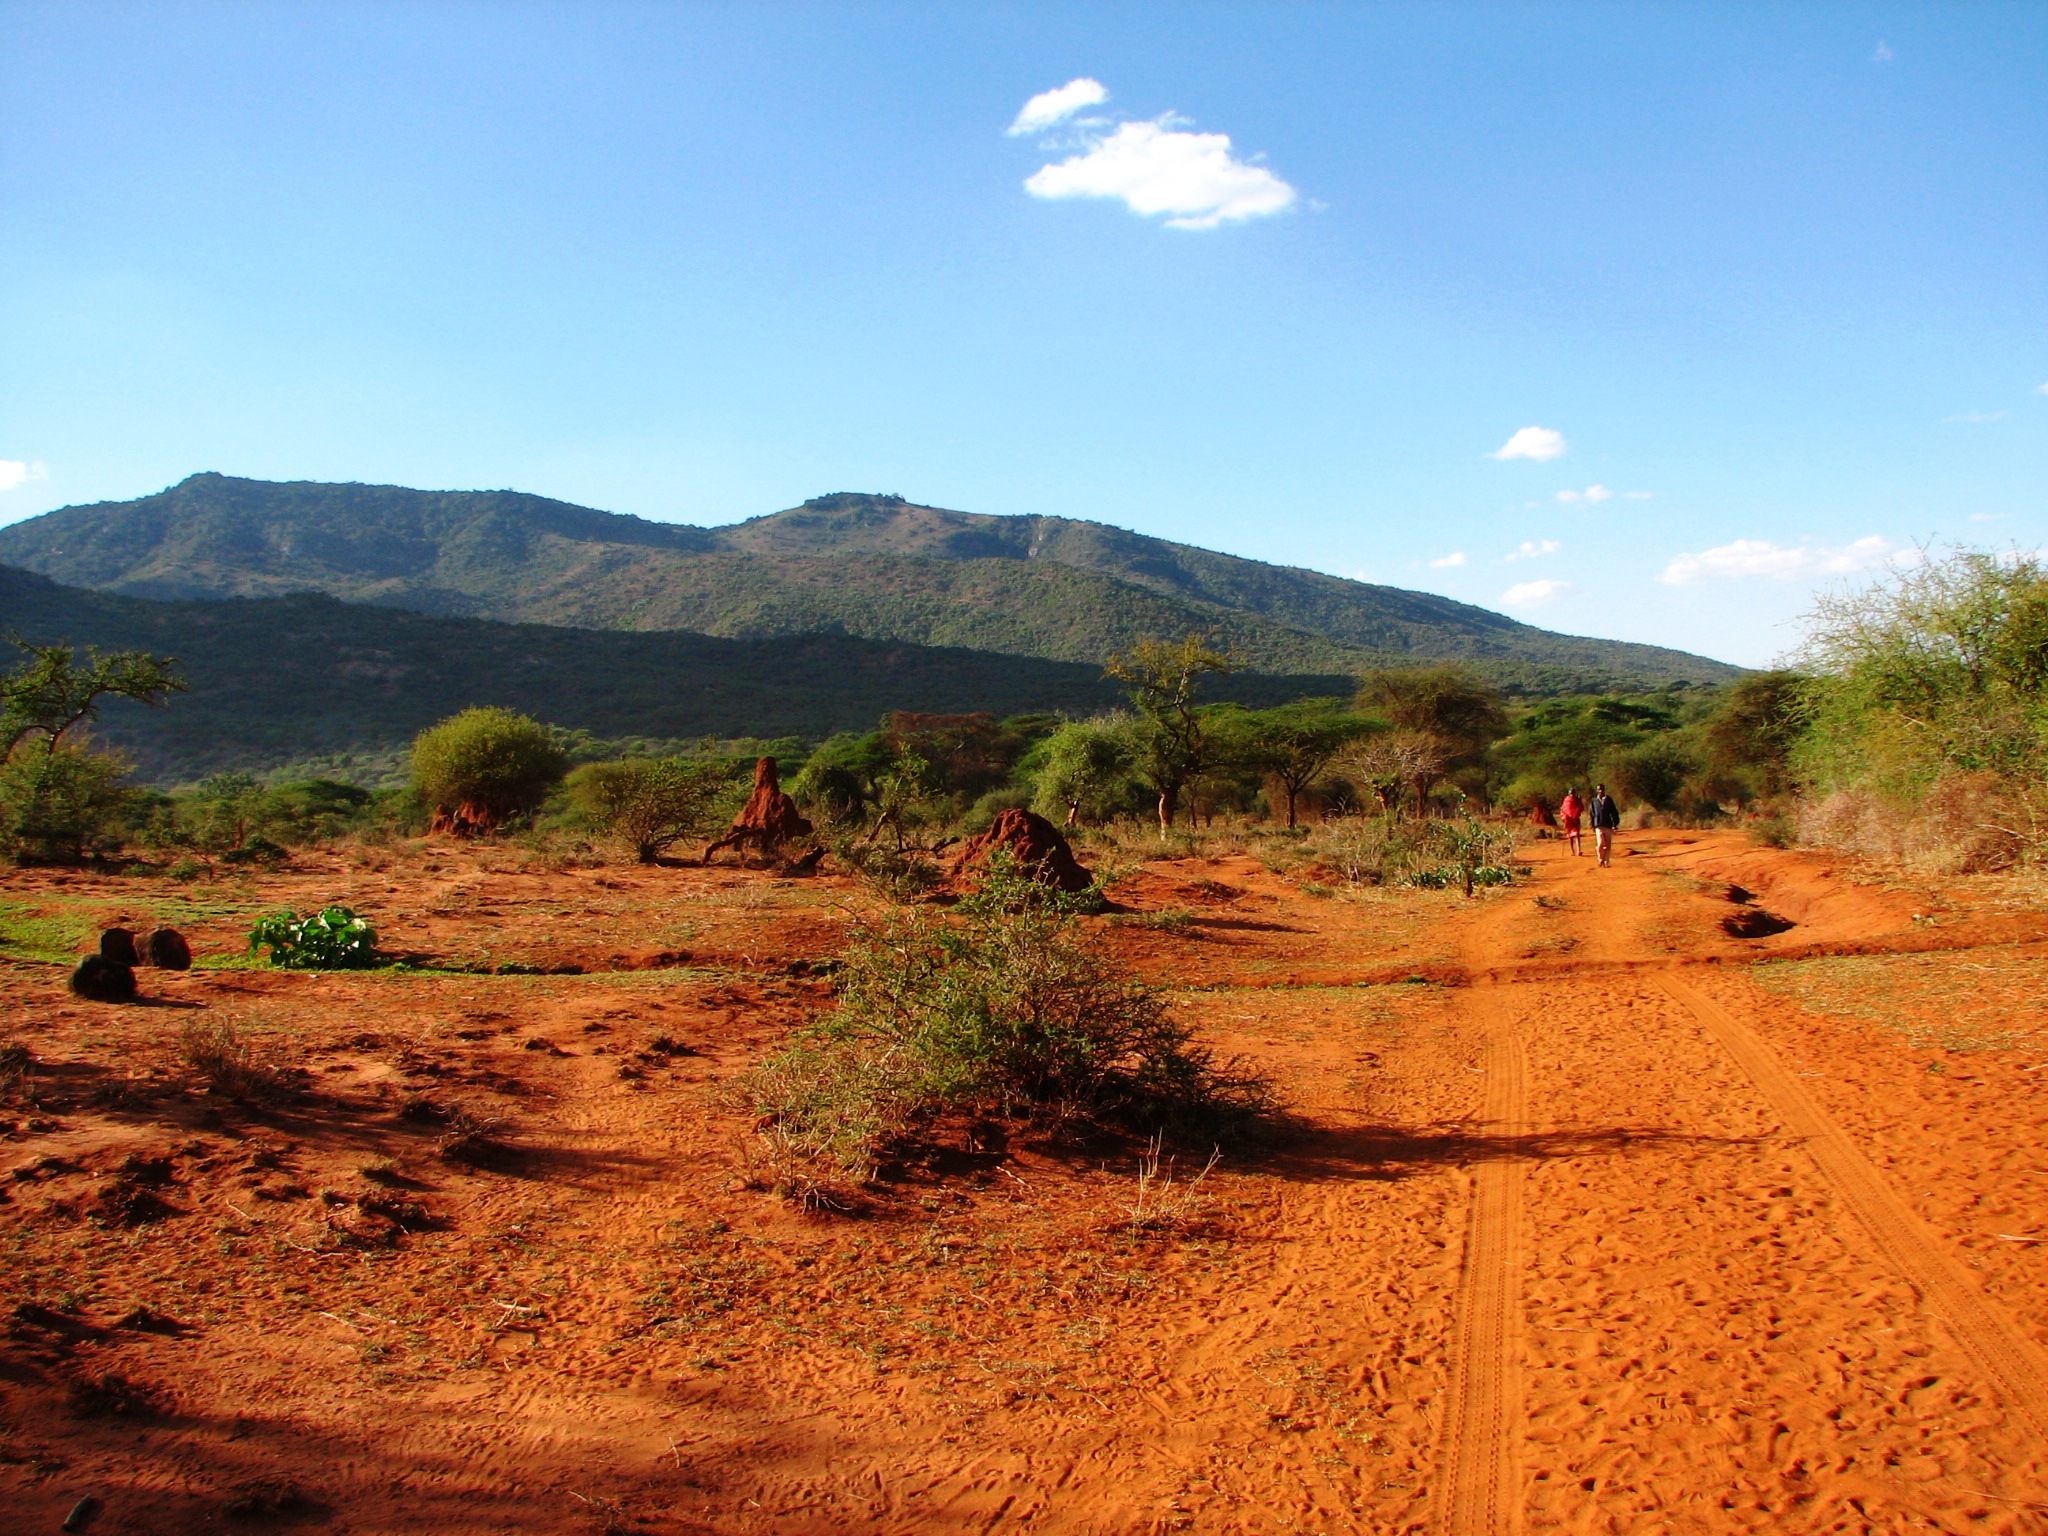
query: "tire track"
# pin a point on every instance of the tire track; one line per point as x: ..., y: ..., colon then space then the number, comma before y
x: 2012, y: 1363
x: 1479, y: 1490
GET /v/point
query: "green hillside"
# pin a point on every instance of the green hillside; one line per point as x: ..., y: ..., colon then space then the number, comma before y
x: 295, y: 679
x: 875, y: 567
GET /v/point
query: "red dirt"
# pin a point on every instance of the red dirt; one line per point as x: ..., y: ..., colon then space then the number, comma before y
x: 1597, y: 1227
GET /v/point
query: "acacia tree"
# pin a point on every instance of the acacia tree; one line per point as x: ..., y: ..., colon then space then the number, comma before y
x: 1296, y: 743
x: 1163, y: 680
x: 1085, y: 771
x: 60, y: 798
x: 52, y: 692
x: 1756, y: 727
x: 1388, y: 762
x: 1457, y: 714
x: 652, y: 803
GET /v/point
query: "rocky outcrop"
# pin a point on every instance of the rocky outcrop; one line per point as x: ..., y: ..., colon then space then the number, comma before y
x: 1038, y: 847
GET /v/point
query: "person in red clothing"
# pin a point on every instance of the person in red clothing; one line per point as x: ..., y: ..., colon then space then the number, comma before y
x: 1569, y: 810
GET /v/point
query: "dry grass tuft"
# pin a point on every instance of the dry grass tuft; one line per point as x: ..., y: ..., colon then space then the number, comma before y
x: 218, y: 1052
x: 1163, y: 1206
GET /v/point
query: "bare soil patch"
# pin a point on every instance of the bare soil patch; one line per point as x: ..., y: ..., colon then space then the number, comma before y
x: 483, y: 1247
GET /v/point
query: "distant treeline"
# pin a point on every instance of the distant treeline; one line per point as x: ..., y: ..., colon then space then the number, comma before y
x: 310, y: 681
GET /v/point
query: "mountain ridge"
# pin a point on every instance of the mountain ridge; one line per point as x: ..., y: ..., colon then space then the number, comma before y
x: 876, y: 567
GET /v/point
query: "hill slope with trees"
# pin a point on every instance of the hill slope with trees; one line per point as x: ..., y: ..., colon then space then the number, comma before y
x: 295, y: 679
x: 875, y: 567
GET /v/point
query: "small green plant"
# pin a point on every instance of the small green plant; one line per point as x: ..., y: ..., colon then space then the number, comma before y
x: 331, y: 940
x: 1005, y: 885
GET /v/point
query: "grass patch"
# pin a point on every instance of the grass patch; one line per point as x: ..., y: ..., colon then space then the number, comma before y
x: 1950, y: 1001
x: 30, y: 933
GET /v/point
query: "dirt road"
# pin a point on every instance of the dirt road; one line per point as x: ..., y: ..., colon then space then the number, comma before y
x: 1724, y: 1315
x: 1583, y: 1225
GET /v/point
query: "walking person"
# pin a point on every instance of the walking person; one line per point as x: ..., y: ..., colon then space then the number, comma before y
x: 1569, y: 810
x: 1606, y: 816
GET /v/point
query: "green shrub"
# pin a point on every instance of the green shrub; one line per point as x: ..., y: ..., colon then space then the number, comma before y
x: 1654, y: 773
x: 1926, y: 715
x: 900, y: 874
x: 62, y: 803
x: 982, y: 814
x: 833, y: 793
x: 481, y: 768
x: 1086, y: 772
x: 999, y: 1009
x: 331, y: 940
x: 308, y: 810
x: 652, y: 803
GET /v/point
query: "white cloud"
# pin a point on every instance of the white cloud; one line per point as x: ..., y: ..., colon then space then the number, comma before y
x: 1637, y: 495
x: 1760, y: 557
x: 1989, y: 517
x: 1529, y: 594
x: 1884, y: 54
x: 1974, y: 418
x: 1538, y: 443
x: 1054, y: 106
x: 1160, y: 167
x: 14, y: 472
x: 1593, y: 493
x: 1451, y: 561
x: 1531, y: 548
x: 2042, y: 390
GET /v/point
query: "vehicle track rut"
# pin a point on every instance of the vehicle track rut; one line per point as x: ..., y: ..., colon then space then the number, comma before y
x: 2011, y: 1362
x: 1479, y: 1488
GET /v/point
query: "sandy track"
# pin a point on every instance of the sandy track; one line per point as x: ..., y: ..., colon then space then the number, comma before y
x: 2007, y: 1359
x: 1724, y: 1325
x: 1479, y: 1481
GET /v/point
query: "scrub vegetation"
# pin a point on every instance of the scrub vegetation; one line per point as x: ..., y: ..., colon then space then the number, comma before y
x: 1913, y: 729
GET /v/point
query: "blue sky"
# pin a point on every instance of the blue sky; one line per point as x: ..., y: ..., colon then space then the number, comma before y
x: 1773, y: 278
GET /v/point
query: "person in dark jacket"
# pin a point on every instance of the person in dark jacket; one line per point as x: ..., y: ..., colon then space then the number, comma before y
x: 1605, y: 816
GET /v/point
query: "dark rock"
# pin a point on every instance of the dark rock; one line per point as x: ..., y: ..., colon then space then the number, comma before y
x: 118, y: 945
x: 144, y: 1320
x: 167, y: 950
x: 103, y: 981
x: 1755, y: 923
